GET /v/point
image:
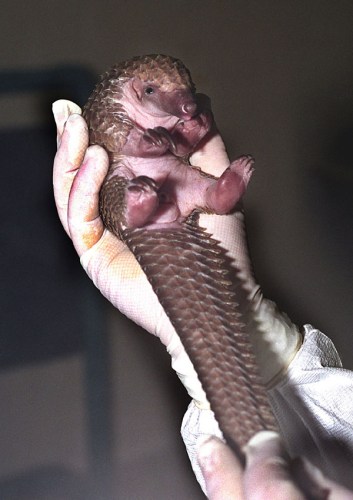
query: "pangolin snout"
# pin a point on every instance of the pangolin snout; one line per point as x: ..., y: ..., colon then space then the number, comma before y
x: 189, y: 110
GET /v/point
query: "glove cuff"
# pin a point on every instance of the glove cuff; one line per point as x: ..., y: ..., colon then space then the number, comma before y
x: 275, y: 338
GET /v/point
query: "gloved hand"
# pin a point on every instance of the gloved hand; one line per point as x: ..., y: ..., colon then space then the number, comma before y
x: 79, y: 171
x: 269, y: 473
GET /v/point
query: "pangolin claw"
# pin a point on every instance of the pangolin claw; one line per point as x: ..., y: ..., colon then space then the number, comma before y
x: 142, y: 183
x: 159, y: 136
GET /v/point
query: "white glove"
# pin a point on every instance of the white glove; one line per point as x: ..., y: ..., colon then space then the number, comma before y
x: 79, y: 171
x: 269, y: 473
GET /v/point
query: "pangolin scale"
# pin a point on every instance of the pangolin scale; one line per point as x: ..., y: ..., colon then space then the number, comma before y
x: 191, y: 274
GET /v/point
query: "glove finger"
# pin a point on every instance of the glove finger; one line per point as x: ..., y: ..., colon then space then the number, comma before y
x: 85, y: 225
x: 221, y: 470
x: 72, y: 146
x: 267, y: 473
x: 62, y: 109
x: 314, y: 484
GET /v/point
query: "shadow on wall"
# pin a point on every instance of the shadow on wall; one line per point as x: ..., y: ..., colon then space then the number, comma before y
x: 49, y: 307
x: 40, y: 265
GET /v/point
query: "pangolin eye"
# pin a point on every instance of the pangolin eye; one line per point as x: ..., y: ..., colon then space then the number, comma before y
x: 149, y: 90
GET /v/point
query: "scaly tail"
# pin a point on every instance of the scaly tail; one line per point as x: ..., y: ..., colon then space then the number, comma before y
x: 196, y: 285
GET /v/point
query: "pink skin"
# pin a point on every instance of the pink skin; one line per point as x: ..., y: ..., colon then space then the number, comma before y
x: 230, y: 187
x: 162, y: 188
x: 180, y: 140
x: 186, y: 134
x: 146, y: 144
x: 177, y: 189
x: 157, y: 102
x: 164, y: 122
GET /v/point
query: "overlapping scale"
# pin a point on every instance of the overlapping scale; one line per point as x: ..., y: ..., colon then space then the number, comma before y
x: 194, y: 281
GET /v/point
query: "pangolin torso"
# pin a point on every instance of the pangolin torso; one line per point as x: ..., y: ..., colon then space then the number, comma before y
x: 191, y: 274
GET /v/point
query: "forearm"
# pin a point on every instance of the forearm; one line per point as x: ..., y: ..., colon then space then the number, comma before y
x: 313, y: 404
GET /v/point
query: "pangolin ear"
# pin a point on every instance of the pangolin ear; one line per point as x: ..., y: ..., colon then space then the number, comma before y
x: 137, y: 87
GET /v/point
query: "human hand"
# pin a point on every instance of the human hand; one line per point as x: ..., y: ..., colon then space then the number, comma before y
x: 78, y: 174
x: 269, y: 473
x: 79, y: 171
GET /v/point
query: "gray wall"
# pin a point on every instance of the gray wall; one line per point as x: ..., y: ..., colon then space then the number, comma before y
x: 280, y: 76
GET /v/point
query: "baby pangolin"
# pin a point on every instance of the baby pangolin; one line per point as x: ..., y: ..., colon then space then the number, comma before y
x: 146, y: 114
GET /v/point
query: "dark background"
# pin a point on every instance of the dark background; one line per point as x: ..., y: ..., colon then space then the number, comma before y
x: 280, y: 76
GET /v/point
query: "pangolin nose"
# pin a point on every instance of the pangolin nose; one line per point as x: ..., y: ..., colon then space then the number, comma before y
x: 189, y: 109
